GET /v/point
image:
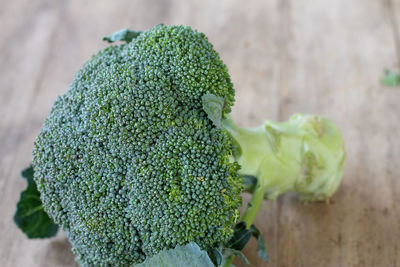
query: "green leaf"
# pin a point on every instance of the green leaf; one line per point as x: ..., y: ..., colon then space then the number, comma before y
x: 181, y: 256
x: 241, y: 237
x: 249, y: 183
x: 213, y: 105
x: 261, y: 248
x: 217, y: 256
x: 30, y: 216
x: 229, y: 251
x: 390, y: 78
x: 122, y: 35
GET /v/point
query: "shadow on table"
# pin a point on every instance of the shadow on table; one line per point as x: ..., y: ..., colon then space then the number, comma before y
x: 59, y: 254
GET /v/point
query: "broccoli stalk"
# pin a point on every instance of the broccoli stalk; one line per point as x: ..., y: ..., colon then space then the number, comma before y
x: 303, y: 155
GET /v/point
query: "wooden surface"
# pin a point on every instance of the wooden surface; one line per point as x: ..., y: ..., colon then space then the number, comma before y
x: 323, y: 57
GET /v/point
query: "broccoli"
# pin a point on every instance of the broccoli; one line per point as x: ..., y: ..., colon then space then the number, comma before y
x: 140, y: 155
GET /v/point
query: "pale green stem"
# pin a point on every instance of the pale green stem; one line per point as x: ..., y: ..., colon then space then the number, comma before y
x: 303, y: 155
x: 253, y: 206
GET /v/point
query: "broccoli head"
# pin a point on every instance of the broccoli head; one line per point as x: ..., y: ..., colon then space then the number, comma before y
x: 128, y: 162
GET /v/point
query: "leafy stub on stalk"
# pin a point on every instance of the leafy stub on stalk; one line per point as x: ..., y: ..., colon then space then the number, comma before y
x: 180, y: 256
x: 261, y: 247
x: 321, y: 156
x: 239, y: 240
x: 228, y: 252
x: 124, y: 35
x: 30, y: 216
x: 213, y: 105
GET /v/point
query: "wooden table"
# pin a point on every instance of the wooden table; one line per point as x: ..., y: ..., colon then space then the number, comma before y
x: 322, y: 57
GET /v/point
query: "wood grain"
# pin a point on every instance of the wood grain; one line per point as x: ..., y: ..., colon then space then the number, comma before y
x: 323, y: 57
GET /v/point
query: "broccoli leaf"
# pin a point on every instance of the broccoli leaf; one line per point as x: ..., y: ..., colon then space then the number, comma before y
x: 261, y: 248
x: 390, y: 78
x: 181, y: 256
x: 213, y: 105
x: 30, y: 216
x: 216, y: 256
x: 229, y: 252
x: 122, y: 35
x: 241, y: 237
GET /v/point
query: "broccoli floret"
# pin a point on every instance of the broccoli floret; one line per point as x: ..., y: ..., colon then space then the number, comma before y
x: 128, y: 162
